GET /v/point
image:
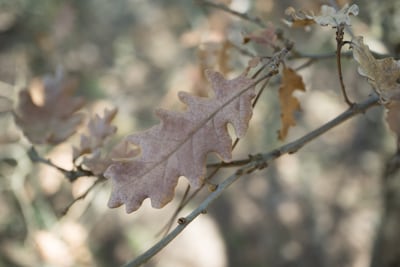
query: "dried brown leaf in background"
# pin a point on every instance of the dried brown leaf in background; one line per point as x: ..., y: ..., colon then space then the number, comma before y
x: 46, y: 111
x: 215, y: 55
x: 328, y: 16
x: 178, y: 146
x: 91, y: 145
x: 266, y: 36
x: 382, y: 74
x: 291, y: 81
x: 298, y: 18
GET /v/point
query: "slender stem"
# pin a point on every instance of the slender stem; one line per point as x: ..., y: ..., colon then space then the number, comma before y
x: 257, y: 162
x: 71, y: 175
x: 83, y: 195
x: 339, y: 42
x: 170, y: 222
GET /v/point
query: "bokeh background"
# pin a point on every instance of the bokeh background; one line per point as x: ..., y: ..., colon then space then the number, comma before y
x: 322, y: 206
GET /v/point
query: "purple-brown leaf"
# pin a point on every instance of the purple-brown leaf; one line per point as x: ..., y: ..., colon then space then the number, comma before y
x: 46, y: 112
x: 178, y: 146
x: 92, y: 145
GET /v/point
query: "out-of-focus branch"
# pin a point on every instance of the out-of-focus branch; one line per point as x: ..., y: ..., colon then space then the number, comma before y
x: 245, y: 16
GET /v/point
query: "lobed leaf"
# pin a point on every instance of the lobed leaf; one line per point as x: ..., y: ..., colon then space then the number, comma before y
x: 91, y: 145
x: 46, y: 111
x: 291, y: 82
x: 178, y: 146
x: 382, y: 74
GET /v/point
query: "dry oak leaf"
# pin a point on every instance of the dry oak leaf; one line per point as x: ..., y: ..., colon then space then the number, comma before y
x: 91, y: 145
x: 291, y: 81
x: 328, y: 16
x: 178, y: 146
x: 382, y: 74
x: 46, y: 111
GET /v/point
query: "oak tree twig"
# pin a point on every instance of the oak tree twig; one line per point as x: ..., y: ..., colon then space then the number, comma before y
x: 256, y: 163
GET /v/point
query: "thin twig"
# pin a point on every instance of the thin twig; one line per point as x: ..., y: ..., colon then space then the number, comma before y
x: 82, y: 196
x: 339, y: 43
x: 257, y: 162
x: 165, y: 229
x: 71, y: 175
x: 243, y: 50
x: 244, y: 16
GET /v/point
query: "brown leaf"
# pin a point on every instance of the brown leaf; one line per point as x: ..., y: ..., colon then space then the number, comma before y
x: 99, y: 129
x: 266, y: 36
x: 382, y: 74
x: 215, y: 55
x: 298, y: 18
x: 291, y: 81
x: 178, y: 146
x: 328, y: 16
x: 91, y: 145
x: 46, y: 112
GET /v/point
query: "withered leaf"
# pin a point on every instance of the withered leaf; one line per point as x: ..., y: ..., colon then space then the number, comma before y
x: 328, y: 16
x: 91, y: 145
x: 382, y: 74
x: 291, y: 81
x: 298, y: 18
x: 178, y: 146
x: 266, y: 36
x: 46, y: 111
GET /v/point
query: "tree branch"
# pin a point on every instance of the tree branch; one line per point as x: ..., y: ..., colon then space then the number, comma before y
x: 259, y: 161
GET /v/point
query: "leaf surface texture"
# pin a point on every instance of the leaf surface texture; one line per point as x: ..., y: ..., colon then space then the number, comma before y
x: 178, y: 146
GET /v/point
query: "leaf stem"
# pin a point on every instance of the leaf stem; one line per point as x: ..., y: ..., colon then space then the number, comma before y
x: 83, y: 195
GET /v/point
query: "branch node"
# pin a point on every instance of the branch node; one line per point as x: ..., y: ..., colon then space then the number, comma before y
x: 212, y: 187
x: 182, y: 220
